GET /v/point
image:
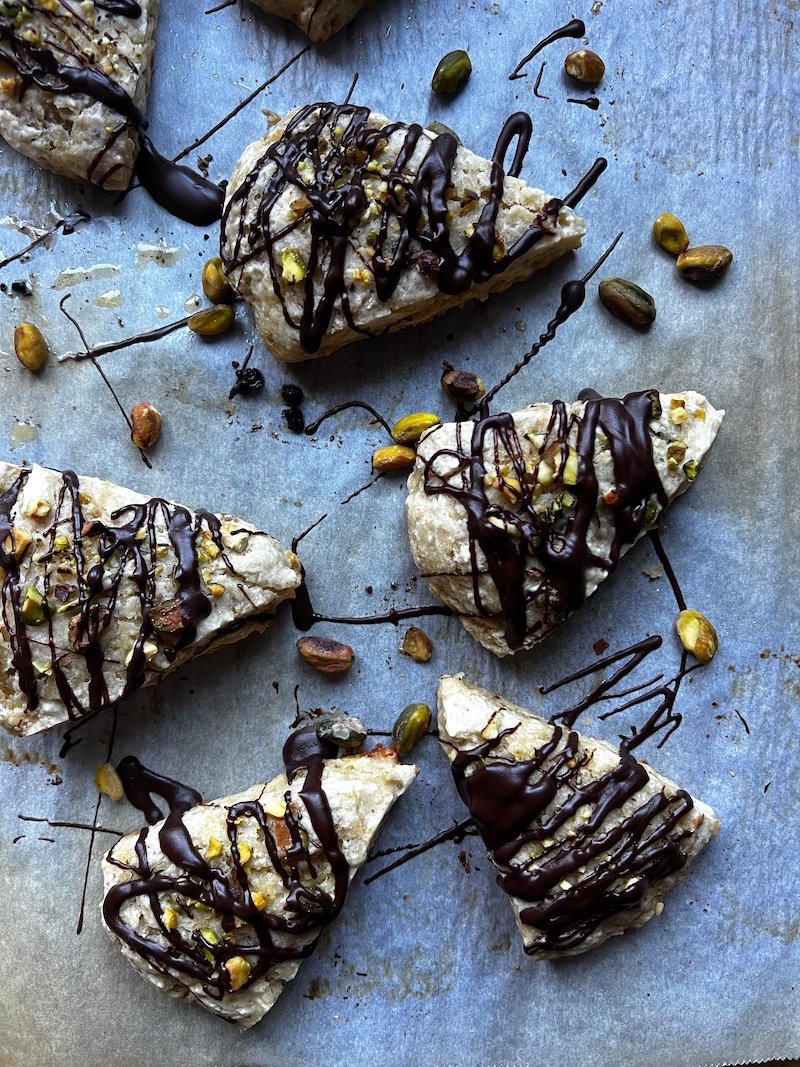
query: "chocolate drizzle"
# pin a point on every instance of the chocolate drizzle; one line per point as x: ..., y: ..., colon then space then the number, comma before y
x: 328, y: 154
x: 263, y: 938
x: 537, y: 558
x: 181, y: 191
x: 574, y: 28
x: 67, y: 226
x: 585, y: 870
x: 86, y: 577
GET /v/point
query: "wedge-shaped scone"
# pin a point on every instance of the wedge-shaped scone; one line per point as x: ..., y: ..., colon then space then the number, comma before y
x: 104, y: 591
x: 221, y: 902
x: 318, y: 19
x: 341, y: 224
x: 69, y: 70
x: 587, y: 840
x: 515, y: 520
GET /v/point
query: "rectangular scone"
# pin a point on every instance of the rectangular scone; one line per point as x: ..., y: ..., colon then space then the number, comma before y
x: 587, y: 840
x: 318, y: 19
x: 341, y: 224
x: 104, y: 591
x: 59, y: 61
x: 514, y: 520
x: 221, y: 902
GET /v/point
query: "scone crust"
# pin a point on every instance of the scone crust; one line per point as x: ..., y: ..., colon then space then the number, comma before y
x: 318, y: 19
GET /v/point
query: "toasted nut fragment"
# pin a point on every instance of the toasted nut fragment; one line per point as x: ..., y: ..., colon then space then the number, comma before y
x: 452, y: 72
x: 39, y: 509
x: 409, y: 429
x: 170, y: 918
x: 705, y: 263
x: 146, y: 425
x: 412, y: 722
x: 344, y: 730
x: 260, y: 900
x: 393, y: 458
x: 30, y: 346
x: 245, y: 852
x: 108, y: 782
x: 326, y: 655
x: 238, y: 970
x: 670, y: 233
x: 33, y: 611
x: 585, y: 66
x: 690, y: 469
x: 212, y: 321
x: 628, y: 302
x: 166, y: 619
x: 213, y: 848
x: 697, y: 635
x: 417, y: 645
x: 215, y: 284
x: 17, y: 543
x: 462, y: 386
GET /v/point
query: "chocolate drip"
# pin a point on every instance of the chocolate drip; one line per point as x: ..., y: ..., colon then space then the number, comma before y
x: 263, y: 938
x: 325, y: 153
x: 180, y: 190
x: 66, y: 225
x: 574, y: 28
x: 128, y: 9
x: 128, y: 552
x: 304, y: 616
x: 591, y: 102
x: 536, y: 557
x: 529, y: 802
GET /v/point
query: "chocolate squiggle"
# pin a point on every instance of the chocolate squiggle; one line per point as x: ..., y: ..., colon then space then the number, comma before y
x: 264, y: 939
x: 511, y: 805
x: 551, y: 546
x: 127, y: 551
x: 326, y: 154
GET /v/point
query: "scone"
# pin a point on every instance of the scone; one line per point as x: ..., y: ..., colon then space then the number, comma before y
x: 515, y: 520
x: 340, y: 225
x: 587, y: 840
x: 318, y: 19
x: 221, y: 902
x: 104, y: 591
x: 74, y: 78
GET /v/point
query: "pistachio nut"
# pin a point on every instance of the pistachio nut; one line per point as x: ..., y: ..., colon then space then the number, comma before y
x: 393, y: 458
x: 705, y: 263
x: 170, y: 917
x: 215, y: 284
x: 409, y: 429
x: 293, y: 268
x: 146, y: 425
x: 585, y: 66
x: 452, y: 72
x: 411, y: 724
x: 345, y: 731
x: 462, y: 385
x: 690, y: 469
x: 670, y: 234
x: 697, y: 635
x: 212, y: 321
x: 417, y: 645
x: 628, y: 302
x: 34, y: 610
x: 108, y: 782
x: 325, y: 655
x: 30, y: 346
x: 238, y: 971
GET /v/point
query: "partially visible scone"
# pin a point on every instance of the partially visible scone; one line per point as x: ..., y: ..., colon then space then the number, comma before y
x: 318, y: 19
x: 587, y: 840
x: 514, y: 520
x: 103, y: 591
x: 62, y: 62
x: 340, y: 225
x: 221, y: 902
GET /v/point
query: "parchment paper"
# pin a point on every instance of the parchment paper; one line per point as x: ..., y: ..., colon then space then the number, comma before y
x: 698, y: 116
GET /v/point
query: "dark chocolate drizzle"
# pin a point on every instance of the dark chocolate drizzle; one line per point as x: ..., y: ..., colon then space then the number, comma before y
x: 325, y: 153
x: 574, y: 28
x: 552, y: 548
x: 592, y: 102
x: 128, y: 551
x: 67, y: 226
x: 264, y: 939
x: 181, y: 191
x: 519, y: 803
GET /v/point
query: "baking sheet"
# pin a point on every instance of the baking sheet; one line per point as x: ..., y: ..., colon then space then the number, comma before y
x: 697, y: 116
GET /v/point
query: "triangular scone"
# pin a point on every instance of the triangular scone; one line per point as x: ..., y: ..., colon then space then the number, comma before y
x: 231, y: 930
x: 104, y: 591
x: 318, y: 19
x: 587, y: 840
x: 64, y: 121
x: 340, y: 225
x: 515, y: 520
